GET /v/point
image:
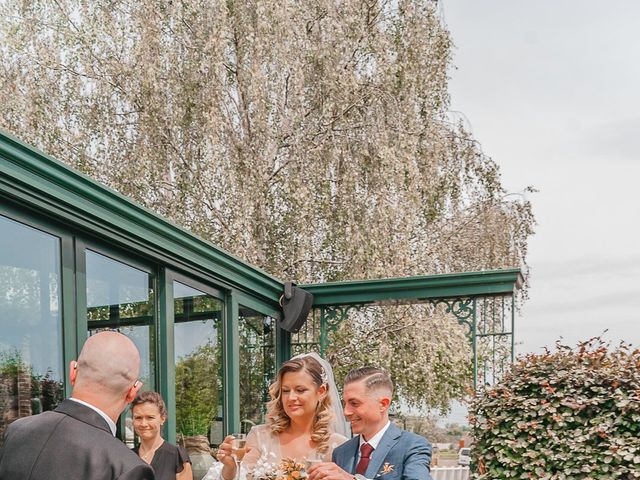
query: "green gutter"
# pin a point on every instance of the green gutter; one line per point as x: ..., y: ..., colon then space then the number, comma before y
x: 44, y: 184
x: 497, y: 282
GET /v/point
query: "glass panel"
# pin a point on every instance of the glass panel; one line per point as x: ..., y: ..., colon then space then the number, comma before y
x: 31, y: 371
x: 257, y: 364
x: 121, y: 298
x: 198, y: 356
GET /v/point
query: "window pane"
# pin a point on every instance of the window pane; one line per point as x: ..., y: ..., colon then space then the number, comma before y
x: 198, y: 356
x: 31, y: 373
x: 121, y: 297
x: 257, y: 364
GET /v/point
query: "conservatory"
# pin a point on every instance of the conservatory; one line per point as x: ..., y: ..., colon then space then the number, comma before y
x: 77, y: 257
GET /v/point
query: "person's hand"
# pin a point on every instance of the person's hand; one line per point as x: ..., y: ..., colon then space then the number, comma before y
x: 328, y: 471
x: 224, y: 454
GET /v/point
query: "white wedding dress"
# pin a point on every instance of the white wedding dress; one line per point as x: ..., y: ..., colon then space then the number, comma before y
x: 266, y: 454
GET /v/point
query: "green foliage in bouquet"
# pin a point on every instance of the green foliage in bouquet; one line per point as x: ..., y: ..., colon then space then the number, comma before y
x: 569, y: 414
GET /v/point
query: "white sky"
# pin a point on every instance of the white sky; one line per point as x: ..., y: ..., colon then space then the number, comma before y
x: 551, y: 89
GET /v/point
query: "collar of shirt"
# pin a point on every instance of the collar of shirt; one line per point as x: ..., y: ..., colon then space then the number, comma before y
x: 110, y: 422
x: 375, y: 440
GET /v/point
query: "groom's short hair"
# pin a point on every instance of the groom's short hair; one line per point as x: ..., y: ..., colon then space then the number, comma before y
x: 374, y: 379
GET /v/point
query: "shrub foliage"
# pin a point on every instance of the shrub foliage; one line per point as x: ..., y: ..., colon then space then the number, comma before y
x: 569, y: 414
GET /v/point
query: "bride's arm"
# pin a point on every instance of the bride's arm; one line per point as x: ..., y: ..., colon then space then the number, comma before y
x: 253, y: 445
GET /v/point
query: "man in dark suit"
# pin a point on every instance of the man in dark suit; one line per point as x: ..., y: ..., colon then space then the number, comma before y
x: 76, y: 441
x: 381, y: 451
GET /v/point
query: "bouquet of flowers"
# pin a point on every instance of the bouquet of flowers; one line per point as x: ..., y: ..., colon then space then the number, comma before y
x: 287, y: 469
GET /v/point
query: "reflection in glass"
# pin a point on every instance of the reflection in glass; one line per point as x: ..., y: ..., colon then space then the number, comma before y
x: 31, y: 370
x: 257, y: 364
x: 121, y: 298
x: 198, y: 356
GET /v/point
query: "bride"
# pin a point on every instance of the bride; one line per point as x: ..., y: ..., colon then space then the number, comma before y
x: 304, y: 421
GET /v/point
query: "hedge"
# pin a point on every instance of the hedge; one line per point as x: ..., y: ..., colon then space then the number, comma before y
x: 569, y: 414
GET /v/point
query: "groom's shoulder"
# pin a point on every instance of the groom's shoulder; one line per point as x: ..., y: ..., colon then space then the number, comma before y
x: 349, y: 444
x: 412, y: 438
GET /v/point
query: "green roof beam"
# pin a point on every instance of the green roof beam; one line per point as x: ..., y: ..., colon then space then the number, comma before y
x: 415, y: 289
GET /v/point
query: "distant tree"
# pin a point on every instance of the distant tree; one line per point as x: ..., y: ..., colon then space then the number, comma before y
x: 198, y: 390
x: 310, y: 138
x: 428, y: 426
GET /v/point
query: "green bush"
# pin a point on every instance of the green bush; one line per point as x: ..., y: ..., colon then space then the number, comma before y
x: 569, y: 414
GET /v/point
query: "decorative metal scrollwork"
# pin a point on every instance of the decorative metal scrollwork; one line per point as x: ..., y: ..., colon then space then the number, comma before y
x: 330, y: 319
x: 463, y: 309
x: 333, y: 316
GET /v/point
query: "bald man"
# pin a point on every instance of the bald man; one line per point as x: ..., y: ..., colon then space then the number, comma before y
x: 76, y: 441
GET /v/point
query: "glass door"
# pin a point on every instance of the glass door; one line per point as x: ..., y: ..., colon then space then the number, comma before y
x: 122, y: 298
x: 198, y: 333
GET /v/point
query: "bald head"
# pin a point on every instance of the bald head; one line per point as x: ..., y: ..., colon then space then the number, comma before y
x: 108, y: 362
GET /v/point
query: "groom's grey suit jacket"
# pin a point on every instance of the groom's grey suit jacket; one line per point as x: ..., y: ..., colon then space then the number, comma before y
x: 400, y: 455
x: 73, y: 442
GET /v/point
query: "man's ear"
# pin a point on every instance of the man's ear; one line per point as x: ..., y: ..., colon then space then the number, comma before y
x: 73, y: 372
x: 133, y: 391
x: 385, y: 402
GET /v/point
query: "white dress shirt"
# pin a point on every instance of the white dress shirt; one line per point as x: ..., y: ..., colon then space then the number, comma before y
x: 373, y: 441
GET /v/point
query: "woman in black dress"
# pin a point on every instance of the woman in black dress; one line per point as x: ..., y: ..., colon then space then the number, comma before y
x: 168, y: 461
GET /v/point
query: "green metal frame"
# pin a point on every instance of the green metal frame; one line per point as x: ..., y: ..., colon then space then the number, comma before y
x: 459, y: 293
x: 448, y: 285
x: 41, y: 183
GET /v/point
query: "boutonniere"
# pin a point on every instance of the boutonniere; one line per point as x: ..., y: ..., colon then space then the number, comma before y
x: 386, y: 468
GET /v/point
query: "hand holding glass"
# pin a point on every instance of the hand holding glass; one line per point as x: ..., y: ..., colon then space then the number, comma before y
x: 311, y: 460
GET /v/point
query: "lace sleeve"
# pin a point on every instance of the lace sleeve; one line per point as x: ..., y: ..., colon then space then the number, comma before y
x: 255, y: 442
x: 215, y: 472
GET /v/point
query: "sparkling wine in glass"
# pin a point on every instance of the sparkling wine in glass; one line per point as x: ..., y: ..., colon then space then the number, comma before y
x: 238, y: 449
x: 311, y: 460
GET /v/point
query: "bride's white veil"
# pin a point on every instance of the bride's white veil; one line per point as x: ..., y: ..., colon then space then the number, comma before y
x: 340, y: 424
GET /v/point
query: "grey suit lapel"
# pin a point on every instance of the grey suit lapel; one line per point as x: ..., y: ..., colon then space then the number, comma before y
x: 389, y: 439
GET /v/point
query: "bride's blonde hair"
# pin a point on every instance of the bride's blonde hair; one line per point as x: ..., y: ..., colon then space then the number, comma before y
x: 279, y: 421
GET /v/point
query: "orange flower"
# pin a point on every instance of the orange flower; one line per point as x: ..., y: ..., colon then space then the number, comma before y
x: 386, y: 468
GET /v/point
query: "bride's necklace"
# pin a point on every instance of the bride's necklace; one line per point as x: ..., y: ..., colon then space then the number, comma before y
x: 148, y: 455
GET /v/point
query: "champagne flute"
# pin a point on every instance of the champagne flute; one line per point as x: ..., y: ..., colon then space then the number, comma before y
x: 311, y: 460
x: 238, y: 449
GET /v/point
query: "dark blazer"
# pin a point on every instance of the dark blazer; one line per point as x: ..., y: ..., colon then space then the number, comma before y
x: 73, y: 442
x: 400, y: 455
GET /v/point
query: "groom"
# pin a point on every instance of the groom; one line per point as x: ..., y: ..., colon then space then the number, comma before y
x: 381, y: 451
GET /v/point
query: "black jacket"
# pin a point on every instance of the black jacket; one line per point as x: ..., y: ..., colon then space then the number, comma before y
x: 73, y: 442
